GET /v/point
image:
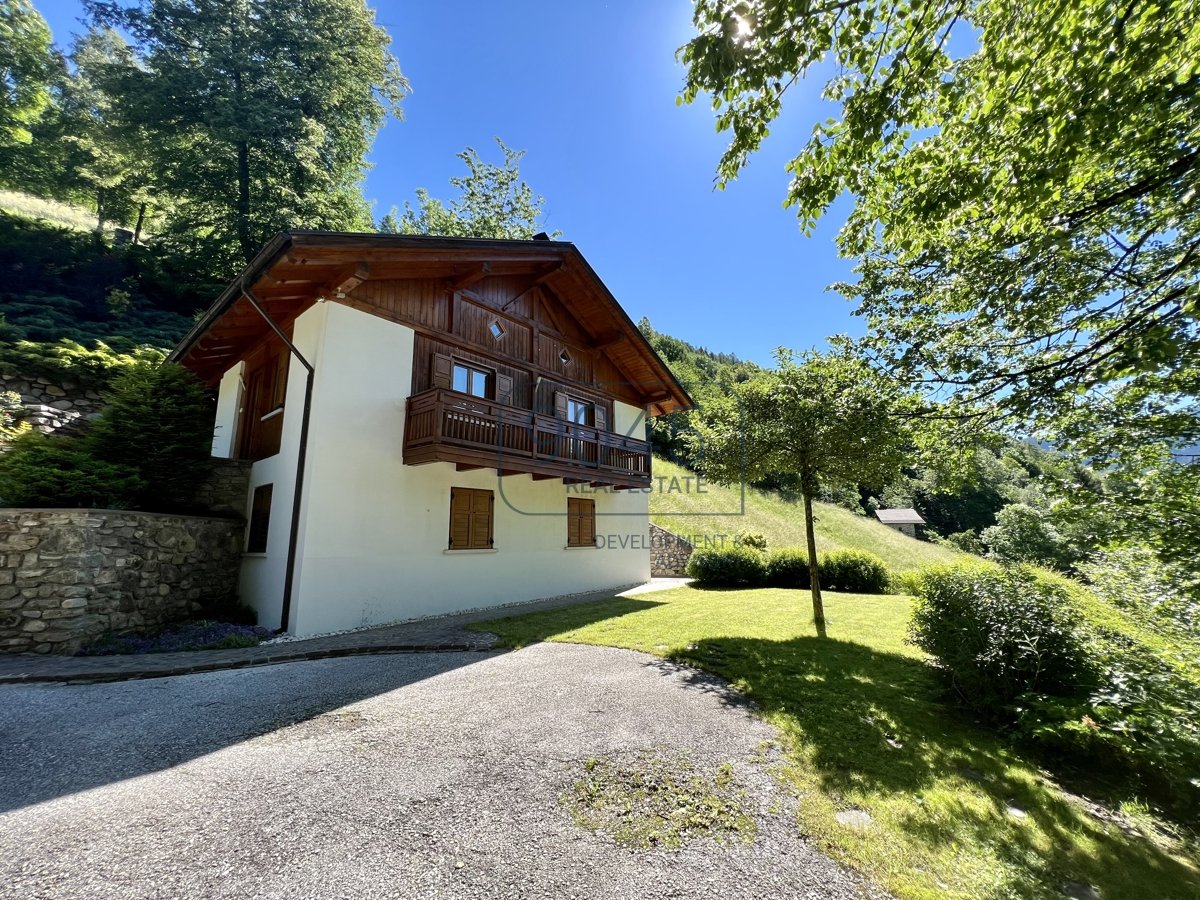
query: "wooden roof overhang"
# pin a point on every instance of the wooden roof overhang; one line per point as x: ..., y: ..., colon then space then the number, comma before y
x: 297, y: 267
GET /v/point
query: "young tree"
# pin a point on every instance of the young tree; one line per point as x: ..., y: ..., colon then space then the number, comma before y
x: 493, y: 202
x: 1024, y: 178
x: 830, y: 419
x: 26, y: 66
x: 257, y: 114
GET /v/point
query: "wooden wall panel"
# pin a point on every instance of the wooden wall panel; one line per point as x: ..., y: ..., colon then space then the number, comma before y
x: 423, y: 353
x: 472, y: 322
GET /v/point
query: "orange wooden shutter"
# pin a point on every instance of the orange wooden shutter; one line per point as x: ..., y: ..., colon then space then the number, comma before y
x: 601, y: 417
x: 441, y: 374
x: 560, y: 404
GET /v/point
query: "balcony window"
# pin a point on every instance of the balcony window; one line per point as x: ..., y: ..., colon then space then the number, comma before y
x: 469, y: 380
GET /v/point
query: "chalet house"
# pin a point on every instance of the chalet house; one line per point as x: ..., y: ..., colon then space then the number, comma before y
x: 435, y: 424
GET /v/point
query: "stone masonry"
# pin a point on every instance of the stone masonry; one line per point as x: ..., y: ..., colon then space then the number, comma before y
x: 669, y: 553
x: 227, y: 488
x: 50, y: 406
x: 68, y: 576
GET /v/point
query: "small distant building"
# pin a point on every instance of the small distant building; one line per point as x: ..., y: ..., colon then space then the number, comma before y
x: 903, y: 520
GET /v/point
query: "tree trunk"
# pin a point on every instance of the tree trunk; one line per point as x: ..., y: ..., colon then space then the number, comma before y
x: 100, y: 209
x: 814, y: 578
x: 245, y: 237
x: 141, y: 219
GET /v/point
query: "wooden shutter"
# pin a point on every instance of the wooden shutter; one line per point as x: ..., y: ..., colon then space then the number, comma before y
x: 601, y: 416
x: 460, y: 519
x: 470, y: 519
x: 504, y: 389
x: 560, y: 405
x: 581, y: 522
x: 481, y: 520
x: 441, y: 371
x: 587, y: 524
x: 281, y: 372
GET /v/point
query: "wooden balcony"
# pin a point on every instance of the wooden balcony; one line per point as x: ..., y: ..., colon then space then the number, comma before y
x: 446, y: 426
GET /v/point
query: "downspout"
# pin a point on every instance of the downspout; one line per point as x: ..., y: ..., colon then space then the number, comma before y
x: 301, y: 454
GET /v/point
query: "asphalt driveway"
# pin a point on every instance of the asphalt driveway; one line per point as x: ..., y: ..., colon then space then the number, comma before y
x: 435, y: 775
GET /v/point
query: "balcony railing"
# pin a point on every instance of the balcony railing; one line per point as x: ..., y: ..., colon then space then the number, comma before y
x: 446, y: 426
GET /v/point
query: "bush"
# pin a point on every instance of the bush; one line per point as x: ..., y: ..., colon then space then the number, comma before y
x: 157, y: 419
x: 998, y: 634
x: 149, y: 449
x: 1028, y: 534
x: 38, y: 470
x: 853, y: 571
x: 752, y: 539
x: 788, y: 568
x: 728, y: 567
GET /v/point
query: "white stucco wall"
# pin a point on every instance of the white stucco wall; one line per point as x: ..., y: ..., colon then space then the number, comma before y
x: 374, y: 531
x: 229, y: 401
x: 262, y: 576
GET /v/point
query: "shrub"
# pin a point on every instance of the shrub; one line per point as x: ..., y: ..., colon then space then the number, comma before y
x: 1000, y: 633
x: 1028, y: 534
x: 38, y: 470
x: 752, y: 539
x: 854, y: 571
x: 787, y: 567
x: 1134, y: 579
x: 149, y: 449
x: 157, y: 419
x: 728, y: 567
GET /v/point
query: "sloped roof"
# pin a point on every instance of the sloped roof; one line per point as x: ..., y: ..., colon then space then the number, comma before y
x: 899, y: 517
x: 296, y: 267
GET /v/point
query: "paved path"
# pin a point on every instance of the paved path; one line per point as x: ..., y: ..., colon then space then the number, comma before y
x: 409, y: 776
x: 442, y: 634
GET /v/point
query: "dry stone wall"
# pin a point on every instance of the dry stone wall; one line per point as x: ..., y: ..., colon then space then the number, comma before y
x: 50, y: 406
x: 669, y: 553
x: 68, y: 576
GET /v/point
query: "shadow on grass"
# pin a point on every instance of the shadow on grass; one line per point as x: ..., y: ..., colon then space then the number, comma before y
x: 869, y: 723
x: 524, y: 629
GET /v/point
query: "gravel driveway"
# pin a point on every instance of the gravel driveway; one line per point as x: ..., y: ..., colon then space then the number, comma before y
x: 435, y: 775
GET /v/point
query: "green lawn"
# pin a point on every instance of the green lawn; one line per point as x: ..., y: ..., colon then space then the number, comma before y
x: 955, y: 812
x: 678, y: 506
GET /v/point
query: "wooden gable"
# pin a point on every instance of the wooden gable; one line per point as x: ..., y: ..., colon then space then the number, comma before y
x: 533, y: 307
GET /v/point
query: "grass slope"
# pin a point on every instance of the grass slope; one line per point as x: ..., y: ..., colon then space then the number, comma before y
x: 954, y: 811
x: 53, y: 211
x: 714, y: 510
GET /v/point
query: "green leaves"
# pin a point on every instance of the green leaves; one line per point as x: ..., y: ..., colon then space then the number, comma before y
x: 1024, y: 184
x: 256, y: 115
x: 493, y: 202
x: 26, y: 66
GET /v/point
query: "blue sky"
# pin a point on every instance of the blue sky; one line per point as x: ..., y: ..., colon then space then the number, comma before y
x: 588, y: 90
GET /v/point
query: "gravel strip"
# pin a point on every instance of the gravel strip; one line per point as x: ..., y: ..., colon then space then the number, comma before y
x: 432, y: 776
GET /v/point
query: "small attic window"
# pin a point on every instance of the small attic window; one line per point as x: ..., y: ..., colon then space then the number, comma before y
x: 565, y: 358
x: 496, y: 330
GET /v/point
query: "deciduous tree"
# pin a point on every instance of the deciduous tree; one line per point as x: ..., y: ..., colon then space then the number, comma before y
x: 830, y: 419
x: 492, y: 202
x: 1024, y: 178
x: 26, y: 68
x: 257, y: 113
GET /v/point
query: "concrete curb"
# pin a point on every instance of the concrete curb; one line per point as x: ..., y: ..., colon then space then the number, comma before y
x: 133, y: 672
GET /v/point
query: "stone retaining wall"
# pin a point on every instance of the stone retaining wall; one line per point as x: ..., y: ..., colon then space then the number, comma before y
x: 50, y: 406
x: 68, y: 576
x: 669, y: 553
x: 227, y: 488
